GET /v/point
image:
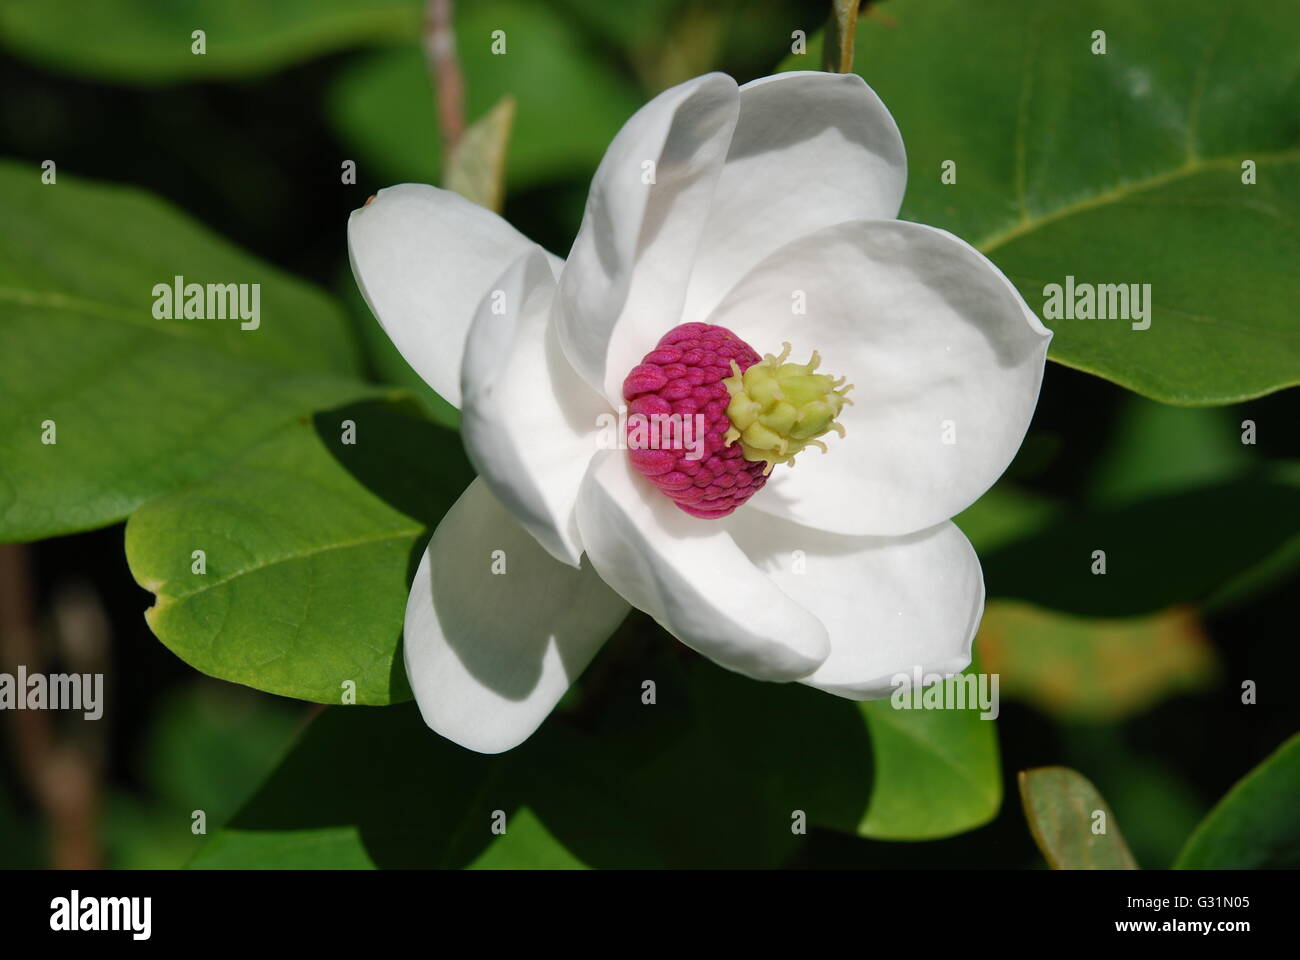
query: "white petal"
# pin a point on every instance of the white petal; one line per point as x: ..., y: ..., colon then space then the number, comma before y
x: 624, y: 282
x: 529, y: 422
x: 810, y: 149
x: 489, y: 654
x: 691, y: 577
x: 938, y: 345
x: 890, y: 604
x: 423, y: 259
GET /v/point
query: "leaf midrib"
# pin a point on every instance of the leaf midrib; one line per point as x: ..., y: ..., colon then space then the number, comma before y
x: 164, y: 599
x: 1123, y: 191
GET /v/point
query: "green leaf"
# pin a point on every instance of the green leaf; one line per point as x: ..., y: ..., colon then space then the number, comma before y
x: 719, y: 771
x: 150, y: 41
x: 477, y: 166
x: 1257, y: 824
x: 1122, y: 167
x: 1094, y: 669
x: 1159, y: 551
x: 407, y: 798
x: 1158, y: 449
x: 139, y: 405
x: 866, y: 769
x: 1062, y: 808
x: 383, y: 105
x: 209, y: 746
x: 309, y: 545
x: 936, y: 772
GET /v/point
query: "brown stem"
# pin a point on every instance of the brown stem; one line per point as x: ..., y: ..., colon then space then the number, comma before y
x: 444, y: 71
x: 841, y: 31
x: 61, y: 776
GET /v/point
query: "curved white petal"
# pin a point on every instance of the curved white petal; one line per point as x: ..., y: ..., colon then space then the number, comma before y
x: 945, y: 357
x: 890, y: 604
x: 692, y: 578
x: 489, y: 654
x: 810, y: 149
x: 423, y: 259
x: 529, y: 422
x: 624, y: 282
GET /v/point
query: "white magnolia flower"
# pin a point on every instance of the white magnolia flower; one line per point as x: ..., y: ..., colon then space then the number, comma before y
x: 768, y: 210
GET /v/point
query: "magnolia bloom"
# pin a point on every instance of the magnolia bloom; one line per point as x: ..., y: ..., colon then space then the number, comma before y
x: 758, y: 215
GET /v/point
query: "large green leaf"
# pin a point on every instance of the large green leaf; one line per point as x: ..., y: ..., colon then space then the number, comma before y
x: 150, y: 40
x: 309, y: 545
x: 1071, y: 823
x: 408, y: 799
x: 139, y: 405
x: 569, y: 102
x: 1257, y: 824
x: 1122, y: 167
x: 719, y: 771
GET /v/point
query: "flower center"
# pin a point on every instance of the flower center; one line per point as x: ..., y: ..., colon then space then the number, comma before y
x: 778, y: 408
x: 700, y: 391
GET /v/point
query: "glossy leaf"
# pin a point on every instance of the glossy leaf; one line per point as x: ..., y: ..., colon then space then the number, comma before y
x: 1071, y: 823
x: 309, y: 543
x: 1122, y: 167
x: 1257, y: 824
x: 137, y: 405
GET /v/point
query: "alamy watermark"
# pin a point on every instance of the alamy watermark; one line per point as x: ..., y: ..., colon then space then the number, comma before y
x: 55, y: 691
x: 75, y: 913
x: 652, y: 431
x: 179, y: 300
x: 933, y: 691
x: 1099, y: 301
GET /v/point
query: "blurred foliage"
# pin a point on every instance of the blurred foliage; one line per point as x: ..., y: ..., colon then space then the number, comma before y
x: 383, y: 104
x: 1090, y: 668
x: 209, y: 748
x: 150, y: 41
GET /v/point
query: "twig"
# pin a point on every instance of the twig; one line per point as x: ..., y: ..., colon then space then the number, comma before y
x: 841, y: 31
x: 444, y: 71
